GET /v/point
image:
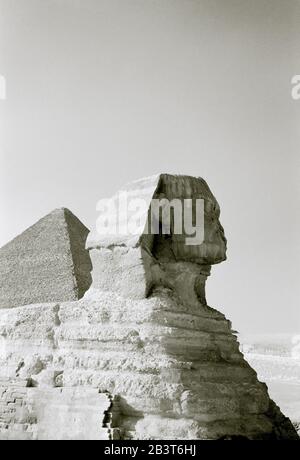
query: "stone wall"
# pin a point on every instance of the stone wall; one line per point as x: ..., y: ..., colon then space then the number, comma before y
x: 28, y: 413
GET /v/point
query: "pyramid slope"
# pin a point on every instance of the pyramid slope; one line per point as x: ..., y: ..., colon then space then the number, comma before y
x: 41, y: 264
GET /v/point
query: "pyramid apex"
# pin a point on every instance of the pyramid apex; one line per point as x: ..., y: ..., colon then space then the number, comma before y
x: 68, y: 216
x: 62, y: 210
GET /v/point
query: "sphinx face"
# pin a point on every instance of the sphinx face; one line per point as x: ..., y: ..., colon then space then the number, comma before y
x: 179, y: 246
x: 173, y: 259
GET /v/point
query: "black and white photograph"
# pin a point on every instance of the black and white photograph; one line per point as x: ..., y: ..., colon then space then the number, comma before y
x: 149, y: 222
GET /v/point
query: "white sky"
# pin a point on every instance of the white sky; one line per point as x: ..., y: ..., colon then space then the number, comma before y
x: 101, y: 92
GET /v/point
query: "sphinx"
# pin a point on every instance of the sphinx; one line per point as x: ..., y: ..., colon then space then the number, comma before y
x: 141, y: 354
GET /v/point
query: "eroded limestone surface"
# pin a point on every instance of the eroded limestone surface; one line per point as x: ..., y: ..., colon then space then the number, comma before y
x: 141, y: 351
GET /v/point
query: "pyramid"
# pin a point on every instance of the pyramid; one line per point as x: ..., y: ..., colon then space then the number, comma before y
x: 47, y: 262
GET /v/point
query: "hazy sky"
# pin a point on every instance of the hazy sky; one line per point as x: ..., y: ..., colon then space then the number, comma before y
x: 101, y: 92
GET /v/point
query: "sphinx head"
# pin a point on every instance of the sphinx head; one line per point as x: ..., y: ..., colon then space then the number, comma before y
x: 187, y: 226
x: 172, y: 256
